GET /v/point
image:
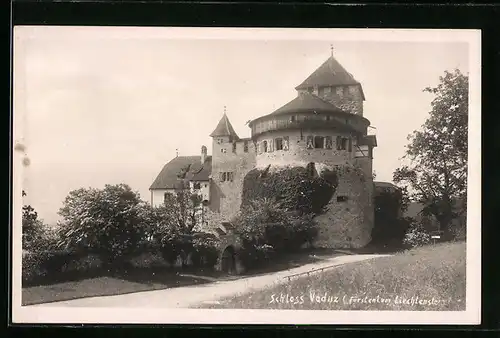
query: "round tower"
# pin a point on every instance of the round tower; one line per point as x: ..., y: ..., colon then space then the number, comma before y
x: 323, y: 129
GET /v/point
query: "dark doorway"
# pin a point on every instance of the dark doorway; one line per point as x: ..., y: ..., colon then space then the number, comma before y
x: 311, y: 169
x: 228, y: 262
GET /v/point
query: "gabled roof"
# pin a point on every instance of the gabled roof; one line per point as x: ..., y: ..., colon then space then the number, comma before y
x: 385, y: 185
x: 306, y: 102
x: 369, y: 140
x: 224, y: 128
x: 330, y: 73
x: 171, y: 176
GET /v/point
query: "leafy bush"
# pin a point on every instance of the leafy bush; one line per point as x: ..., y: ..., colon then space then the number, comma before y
x: 32, y: 266
x: 148, y: 260
x: 459, y: 232
x: 252, y: 255
x: 389, y: 227
x: 205, y: 250
x: 106, y: 220
x: 416, y: 236
x: 266, y: 230
x: 55, y: 266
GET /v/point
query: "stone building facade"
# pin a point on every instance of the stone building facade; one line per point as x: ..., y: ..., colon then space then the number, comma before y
x: 323, y: 127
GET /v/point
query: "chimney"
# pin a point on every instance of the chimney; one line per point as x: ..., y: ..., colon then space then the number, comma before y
x: 203, y: 154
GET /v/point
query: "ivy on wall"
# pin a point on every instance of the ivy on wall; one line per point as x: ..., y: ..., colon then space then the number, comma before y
x: 295, y: 189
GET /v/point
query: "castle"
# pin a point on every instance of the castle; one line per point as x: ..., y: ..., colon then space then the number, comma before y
x: 322, y: 127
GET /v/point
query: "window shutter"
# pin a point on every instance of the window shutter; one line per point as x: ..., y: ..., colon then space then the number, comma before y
x: 328, y: 142
x: 285, y: 143
x: 310, y: 140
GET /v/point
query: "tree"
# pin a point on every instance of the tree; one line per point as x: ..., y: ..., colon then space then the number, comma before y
x: 437, y: 173
x: 184, y: 208
x: 106, y: 220
x: 32, y: 228
x: 183, y: 212
x: 389, y: 227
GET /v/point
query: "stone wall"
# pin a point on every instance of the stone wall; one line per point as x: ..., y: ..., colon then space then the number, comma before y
x: 348, y: 98
x: 298, y: 154
x: 225, y: 196
x: 345, y: 223
x: 349, y: 218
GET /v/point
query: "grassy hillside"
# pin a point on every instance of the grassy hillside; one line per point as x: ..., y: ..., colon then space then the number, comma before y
x: 427, y: 278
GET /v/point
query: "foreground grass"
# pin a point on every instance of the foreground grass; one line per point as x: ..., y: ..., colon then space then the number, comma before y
x: 107, y: 286
x: 425, y: 279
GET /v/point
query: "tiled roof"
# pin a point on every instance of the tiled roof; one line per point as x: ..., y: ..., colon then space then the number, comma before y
x: 385, y: 185
x: 170, y: 176
x: 330, y: 73
x: 224, y: 128
x: 306, y: 102
x: 369, y: 140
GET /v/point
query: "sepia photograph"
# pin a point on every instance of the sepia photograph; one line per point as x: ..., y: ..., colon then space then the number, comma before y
x: 246, y: 176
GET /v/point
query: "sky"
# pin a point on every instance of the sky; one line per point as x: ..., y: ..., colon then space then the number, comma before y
x: 96, y: 105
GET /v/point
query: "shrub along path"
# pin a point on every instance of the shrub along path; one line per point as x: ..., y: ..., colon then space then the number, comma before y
x: 104, y: 283
x: 193, y: 296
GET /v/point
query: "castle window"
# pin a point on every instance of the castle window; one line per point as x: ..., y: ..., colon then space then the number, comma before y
x: 223, y: 150
x: 279, y: 144
x: 319, y: 142
x: 352, y: 90
x: 234, y: 147
x: 292, y: 118
x: 226, y: 176
x: 341, y: 143
x: 328, y: 117
x: 220, y: 141
x: 341, y: 198
x: 264, y: 145
x: 327, y: 90
x: 245, y: 146
x: 197, y: 186
x: 340, y: 91
x: 349, y: 144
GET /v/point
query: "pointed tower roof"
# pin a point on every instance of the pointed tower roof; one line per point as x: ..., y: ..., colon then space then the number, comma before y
x: 224, y: 128
x: 330, y: 73
x: 307, y: 102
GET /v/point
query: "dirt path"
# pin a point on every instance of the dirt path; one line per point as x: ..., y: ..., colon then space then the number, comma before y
x: 192, y: 296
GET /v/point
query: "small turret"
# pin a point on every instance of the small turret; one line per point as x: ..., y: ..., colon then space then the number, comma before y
x: 225, y: 129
